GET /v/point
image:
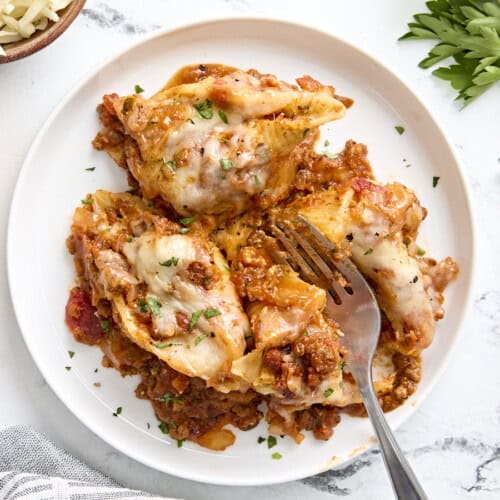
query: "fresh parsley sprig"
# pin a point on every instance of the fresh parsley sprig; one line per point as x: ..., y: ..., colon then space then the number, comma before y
x: 468, y: 31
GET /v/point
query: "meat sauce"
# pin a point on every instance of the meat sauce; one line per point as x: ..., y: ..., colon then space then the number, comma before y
x: 187, y: 408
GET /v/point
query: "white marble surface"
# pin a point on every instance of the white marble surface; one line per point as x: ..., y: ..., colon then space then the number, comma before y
x: 453, y: 440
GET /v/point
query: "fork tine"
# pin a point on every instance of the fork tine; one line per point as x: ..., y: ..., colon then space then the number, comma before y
x: 328, y: 279
x: 344, y: 265
x: 297, y: 262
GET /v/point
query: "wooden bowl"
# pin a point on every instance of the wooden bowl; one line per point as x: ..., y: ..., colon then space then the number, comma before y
x: 40, y: 39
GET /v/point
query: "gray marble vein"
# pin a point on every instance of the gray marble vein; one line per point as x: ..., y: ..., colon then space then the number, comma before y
x: 107, y: 17
x: 487, y: 477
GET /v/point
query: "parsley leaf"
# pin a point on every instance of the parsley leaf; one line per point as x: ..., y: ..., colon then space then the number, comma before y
x: 271, y: 441
x: 88, y: 201
x: 306, y: 131
x: 154, y: 306
x: 179, y: 443
x: 420, y: 251
x: 90, y: 169
x: 211, y: 313
x: 435, y: 181
x: 187, y: 220
x: 138, y: 89
x: 257, y: 180
x: 173, y: 261
x: 226, y: 164
x: 71, y: 353
x: 127, y: 105
x: 194, y: 319
x: 205, y: 109
x: 399, y: 129
x: 222, y: 115
x: 276, y: 456
x: 201, y: 337
x: 106, y: 328
x: 163, y: 345
x: 164, y: 428
x: 260, y: 439
x: 172, y: 165
x: 169, y: 397
x: 117, y: 411
x: 468, y: 31
x: 328, y: 392
x: 369, y: 251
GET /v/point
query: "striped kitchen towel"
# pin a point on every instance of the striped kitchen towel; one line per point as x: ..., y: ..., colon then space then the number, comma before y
x: 33, y: 468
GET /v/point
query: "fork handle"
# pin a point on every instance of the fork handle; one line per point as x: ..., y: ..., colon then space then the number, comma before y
x: 404, y: 481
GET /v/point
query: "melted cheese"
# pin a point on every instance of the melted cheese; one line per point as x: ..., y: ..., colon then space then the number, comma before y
x: 375, y: 229
x: 266, y: 120
x: 209, y: 348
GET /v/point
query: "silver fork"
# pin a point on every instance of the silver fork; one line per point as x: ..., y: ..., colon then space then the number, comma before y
x: 352, y: 304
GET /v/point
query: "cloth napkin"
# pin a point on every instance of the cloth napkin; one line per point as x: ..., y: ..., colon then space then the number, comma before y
x: 33, y: 468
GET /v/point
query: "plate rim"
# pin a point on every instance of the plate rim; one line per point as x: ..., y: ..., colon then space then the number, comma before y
x: 172, y: 31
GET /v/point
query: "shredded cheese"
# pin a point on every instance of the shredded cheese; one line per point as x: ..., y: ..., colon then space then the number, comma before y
x: 21, y: 18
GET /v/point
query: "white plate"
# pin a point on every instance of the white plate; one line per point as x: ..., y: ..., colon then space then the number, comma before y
x: 54, y: 180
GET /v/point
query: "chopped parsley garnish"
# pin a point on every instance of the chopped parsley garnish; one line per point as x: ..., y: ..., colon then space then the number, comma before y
x: 117, y: 411
x: 435, y: 181
x: 154, y: 306
x: 194, y: 319
x: 164, y: 428
x: 138, y: 89
x: 71, y: 353
x: 276, y: 456
x: 326, y: 143
x: 127, y: 105
x: 342, y: 365
x: 226, y: 267
x: 369, y: 251
x: 222, y: 115
x: 420, y: 251
x: 205, y: 109
x: 179, y: 443
x: 399, y: 129
x: 90, y: 169
x: 88, y: 201
x: 211, y: 313
x: 68, y: 368
x: 187, y: 220
x: 306, y: 131
x: 328, y: 392
x: 163, y: 345
x: 184, y: 230
x: 260, y: 439
x: 148, y: 425
x: 173, y: 261
x: 271, y: 441
x: 172, y: 165
x: 226, y: 164
x: 105, y: 327
x: 96, y: 370
x: 257, y: 180
x: 201, y: 337
x: 143, y: 306
x: 169, y: 397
